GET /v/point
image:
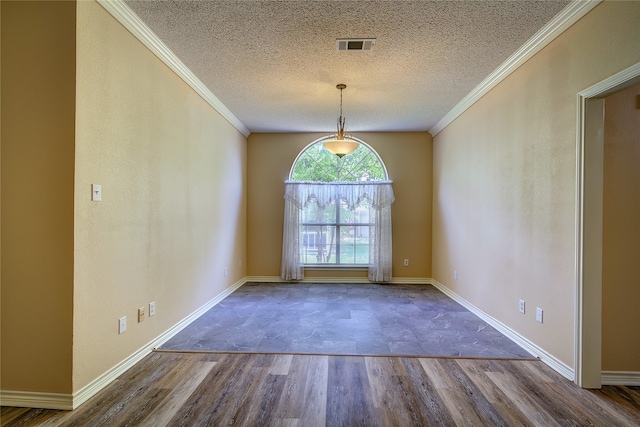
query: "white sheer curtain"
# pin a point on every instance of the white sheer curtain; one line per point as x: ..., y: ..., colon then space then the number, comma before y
x: 292, y: 267
x: 298, y: 195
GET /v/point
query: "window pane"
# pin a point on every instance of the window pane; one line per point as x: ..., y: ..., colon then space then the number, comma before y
x: 318, y: 244
x: 311, y: 214
x: 329, y: 250
x: 317, y: 164
x: 347, y: 246
x: 346, y: 216
x: 362, y: 245
x: 362, y: 213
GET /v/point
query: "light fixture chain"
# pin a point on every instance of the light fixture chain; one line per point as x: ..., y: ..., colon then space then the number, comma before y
x: 342, y: 144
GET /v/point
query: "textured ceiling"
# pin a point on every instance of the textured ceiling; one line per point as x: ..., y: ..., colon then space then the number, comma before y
x: 274, y: 64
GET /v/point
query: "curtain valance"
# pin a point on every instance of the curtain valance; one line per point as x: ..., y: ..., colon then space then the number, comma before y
x: 378, y: 193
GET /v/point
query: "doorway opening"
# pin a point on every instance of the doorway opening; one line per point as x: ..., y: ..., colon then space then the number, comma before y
x: 589, y: 224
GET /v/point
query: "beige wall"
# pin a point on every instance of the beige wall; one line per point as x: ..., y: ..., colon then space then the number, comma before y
x: 173, y: 215
x: 37, y: 194
x: 407, y: 157
x: 621, y: 232
x: 179, y: 199
x: 505, y: 180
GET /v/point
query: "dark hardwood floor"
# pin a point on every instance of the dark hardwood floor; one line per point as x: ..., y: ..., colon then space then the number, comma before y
x: 200, y: 389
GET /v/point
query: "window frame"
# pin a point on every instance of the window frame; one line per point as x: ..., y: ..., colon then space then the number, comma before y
x: 327, y: 137
x: 337, y: 224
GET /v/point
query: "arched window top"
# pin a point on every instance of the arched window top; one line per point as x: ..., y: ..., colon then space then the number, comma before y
x: 315, y: 164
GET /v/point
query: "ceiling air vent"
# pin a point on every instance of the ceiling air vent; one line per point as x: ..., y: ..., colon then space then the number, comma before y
x: 355, y: 44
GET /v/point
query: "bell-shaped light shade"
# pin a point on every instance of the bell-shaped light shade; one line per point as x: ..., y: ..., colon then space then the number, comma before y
x: 340, y: 147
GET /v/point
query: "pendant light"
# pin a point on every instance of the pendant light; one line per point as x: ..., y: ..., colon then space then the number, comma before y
x: 341, y: 144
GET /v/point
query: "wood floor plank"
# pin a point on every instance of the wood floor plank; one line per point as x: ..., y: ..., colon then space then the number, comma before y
x: 129, y: 396
x: 477, y: 371
x: 305, y: 393
x: 265, y: 389
x: 403, y: 394
x: 181, y: 387
x: 380, y: 371
x: 521, y: 399
x: 27, y: 417
x: 281, y: 364
x: 10, y: 415
x: 286, y: 422
x: 260, y: 407
x: 471, y: 393
x: 349, y: 397
x: 461, y: 414
x: 291, y: 403
x: 221, y: 393
x: 550, y: 394
x: 621, y: 405
x: 627, y: 398
x: 405, y: 401
x: 375, y: 373
x: 315, y: 410
x: 434, y: 371
x: 433, y: 407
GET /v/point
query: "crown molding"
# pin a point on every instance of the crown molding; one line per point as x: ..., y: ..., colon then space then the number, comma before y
x: 563, y: 20
x: 123, y: 14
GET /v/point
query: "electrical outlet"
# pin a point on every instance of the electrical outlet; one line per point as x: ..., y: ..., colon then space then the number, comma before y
x: 539, y: 314
x: 141, y: 314
x: 152, y: 308
x: 455, y: 275
x: 521, y: 306
x: 406, y: 262
x: 225, y: 272
x: 122, y: 325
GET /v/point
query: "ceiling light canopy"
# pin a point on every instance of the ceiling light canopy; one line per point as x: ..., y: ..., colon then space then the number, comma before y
x: 341, y: 144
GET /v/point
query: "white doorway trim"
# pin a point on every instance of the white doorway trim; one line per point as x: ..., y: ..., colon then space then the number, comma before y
x: 588, y: 274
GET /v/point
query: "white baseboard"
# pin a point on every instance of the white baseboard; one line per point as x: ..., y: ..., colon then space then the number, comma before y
x: 628, y: 378
x: 32, y: 399
x: 277, y: 279
x: 411, y: 280
x: 102, y: 381
x: 395, y: 280
x: 523, y: 342
x: 72, y: 401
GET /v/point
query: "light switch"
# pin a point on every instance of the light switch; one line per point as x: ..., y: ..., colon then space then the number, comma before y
x: 96, y: 192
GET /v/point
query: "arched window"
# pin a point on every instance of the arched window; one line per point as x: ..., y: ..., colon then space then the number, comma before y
x: 337, y: 212
x: 316, y: 164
